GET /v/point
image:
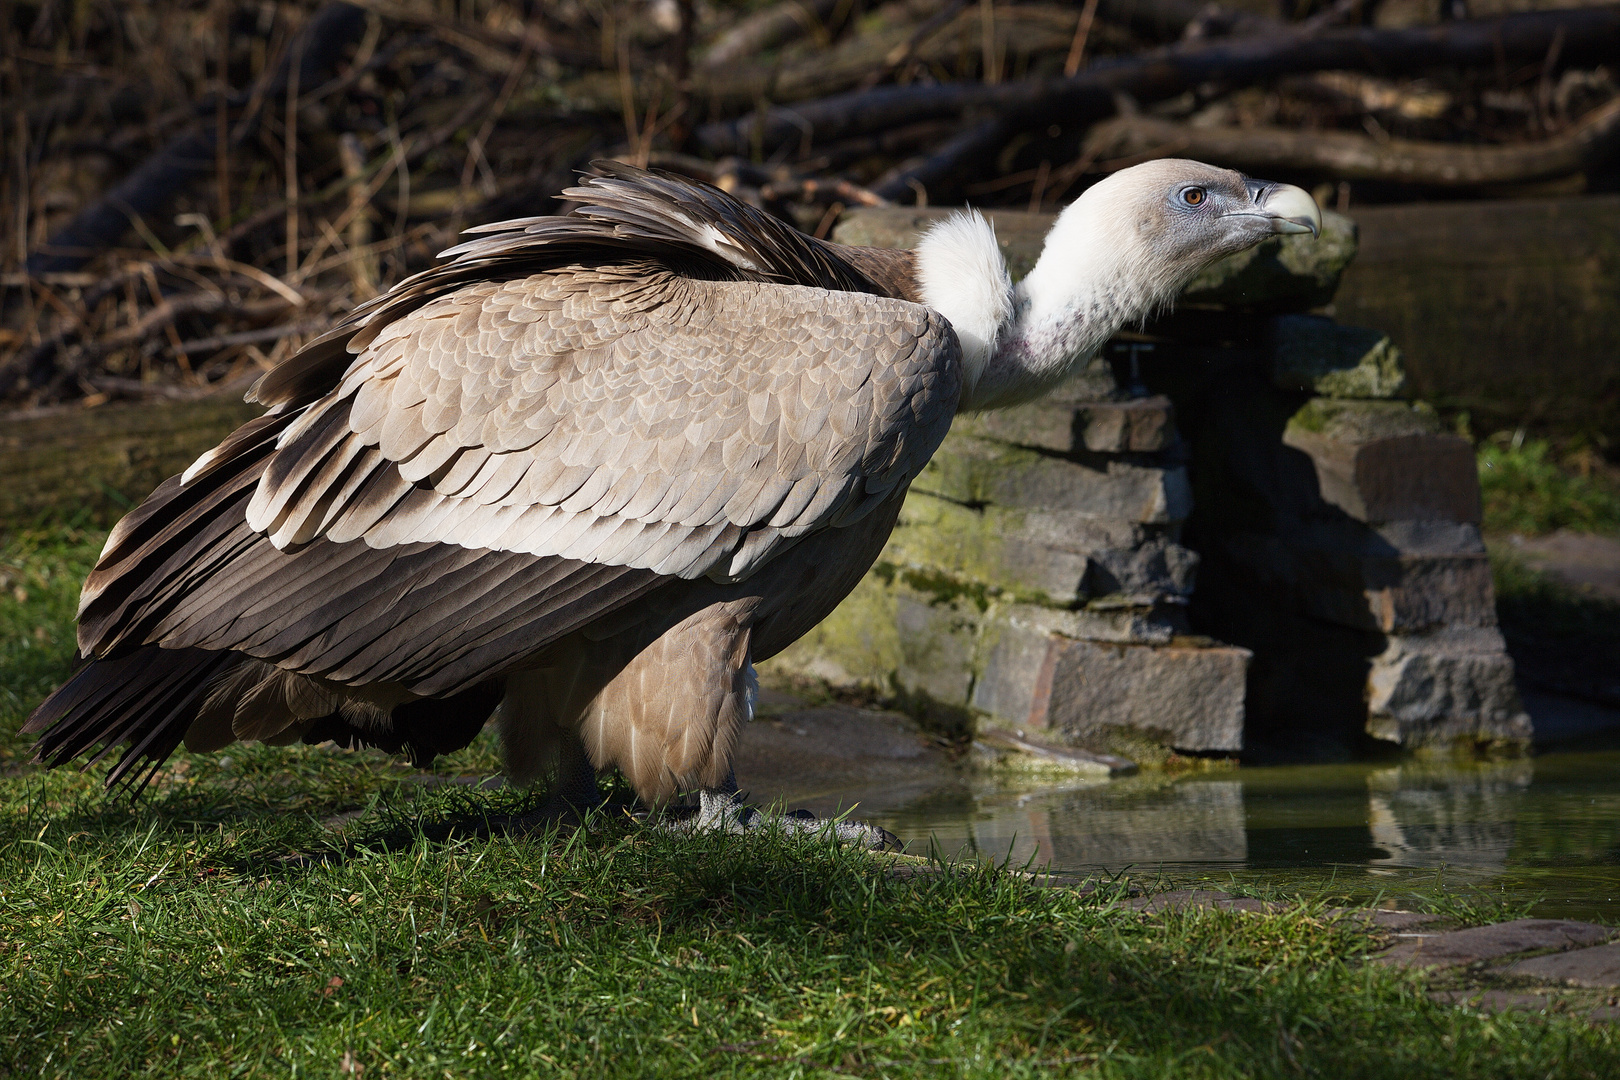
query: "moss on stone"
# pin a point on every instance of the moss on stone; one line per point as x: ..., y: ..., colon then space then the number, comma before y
x: 1363, y: 421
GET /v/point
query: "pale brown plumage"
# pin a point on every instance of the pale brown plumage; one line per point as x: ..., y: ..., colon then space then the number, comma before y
x: 588, y: 471
x: 577, y: 452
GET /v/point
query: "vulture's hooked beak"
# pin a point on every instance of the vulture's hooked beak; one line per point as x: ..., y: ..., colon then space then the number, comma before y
x: 1289, y: 209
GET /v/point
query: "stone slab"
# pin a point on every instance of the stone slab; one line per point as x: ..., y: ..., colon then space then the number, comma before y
x: 1136, y: 425
x: 1363, y: 421
x: 1481, y: 943
x: 1493, y: 1001
x: 1587, y: 561
x: 1509, y: 308
x: 1496, y: 1001
x: 1065, y: 758
x: 1362, y: 582
x: 1057, y: 557
x: 1318, y: 355
x: 1381, y: 919
x: 1598, y: 966
x: 1405, y: 478
x: 938, y: 640
x: 998, y: 548
x: 835, y: 748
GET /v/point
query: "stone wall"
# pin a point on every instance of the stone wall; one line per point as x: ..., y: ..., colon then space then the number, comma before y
x: 1044, y: 577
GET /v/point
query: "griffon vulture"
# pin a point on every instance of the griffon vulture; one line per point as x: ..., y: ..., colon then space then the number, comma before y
x: 585, y: 474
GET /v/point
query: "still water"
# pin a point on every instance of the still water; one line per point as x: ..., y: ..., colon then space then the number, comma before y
x: 1546, y: 827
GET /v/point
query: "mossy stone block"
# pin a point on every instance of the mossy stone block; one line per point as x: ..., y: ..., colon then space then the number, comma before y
x: 1362, y: 421
x: 1318, y: 355
x: 987, y: 472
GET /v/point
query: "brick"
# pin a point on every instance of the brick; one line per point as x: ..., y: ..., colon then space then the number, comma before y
x: 1312, y: 353
x: 1186, y: 697
x: 1492, y: 942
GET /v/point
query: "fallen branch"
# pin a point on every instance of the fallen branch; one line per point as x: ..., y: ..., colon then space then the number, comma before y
x: 1588, y: 36
x: 776, y: 25
x: 187, y: 157
x: 915, y: 177
x: 1170, y: 20
x: 1346, y: 155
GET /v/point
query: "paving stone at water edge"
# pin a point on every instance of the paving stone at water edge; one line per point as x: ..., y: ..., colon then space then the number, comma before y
x: 1598, y: 966
x: 1491, y: 942
x: 1495, y: 1001
x: 1385, y: 920
x: 1002, y: 744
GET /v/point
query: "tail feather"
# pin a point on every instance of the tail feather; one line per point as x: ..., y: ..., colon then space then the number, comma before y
x: 143, y: 701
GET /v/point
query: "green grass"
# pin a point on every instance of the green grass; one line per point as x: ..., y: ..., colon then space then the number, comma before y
x: 1527, y: 490
x: 222, y: 927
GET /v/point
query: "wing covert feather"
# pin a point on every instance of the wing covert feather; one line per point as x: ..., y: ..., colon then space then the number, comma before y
x: 619, y: 415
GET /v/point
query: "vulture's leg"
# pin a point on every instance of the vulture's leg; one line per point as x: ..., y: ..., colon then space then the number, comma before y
x: 576, y: 779
x: 534, y: 723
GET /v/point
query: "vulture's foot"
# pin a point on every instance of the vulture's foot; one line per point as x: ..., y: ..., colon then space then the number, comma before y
x: 723, y: 810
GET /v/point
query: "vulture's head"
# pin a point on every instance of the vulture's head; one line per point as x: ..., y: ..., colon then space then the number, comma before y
x: 1117, y: 254
x: 1156, y: 225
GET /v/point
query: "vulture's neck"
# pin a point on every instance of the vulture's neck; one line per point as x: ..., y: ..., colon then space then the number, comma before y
x: 1020, y: 341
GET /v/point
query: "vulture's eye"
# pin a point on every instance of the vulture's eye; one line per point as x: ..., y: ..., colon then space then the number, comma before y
x: 1193, y: 196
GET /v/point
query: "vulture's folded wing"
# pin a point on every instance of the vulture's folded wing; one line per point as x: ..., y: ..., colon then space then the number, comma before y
x: 507, y: 463
x: 620, y: 416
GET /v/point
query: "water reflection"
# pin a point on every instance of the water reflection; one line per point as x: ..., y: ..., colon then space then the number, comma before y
x: 1536, y: 827
x: 1113, y: 824
x: 1428, y: 815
